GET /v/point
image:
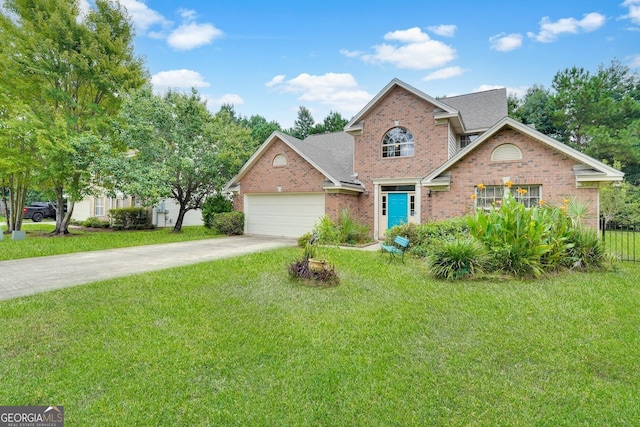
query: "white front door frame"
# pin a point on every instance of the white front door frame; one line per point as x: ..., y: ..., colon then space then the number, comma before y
x: 378, y: 183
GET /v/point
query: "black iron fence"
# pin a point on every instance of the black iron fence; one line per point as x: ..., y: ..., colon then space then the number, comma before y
x: 621, y: 240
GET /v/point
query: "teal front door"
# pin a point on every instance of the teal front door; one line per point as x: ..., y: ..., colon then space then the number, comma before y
x: 397, y: 209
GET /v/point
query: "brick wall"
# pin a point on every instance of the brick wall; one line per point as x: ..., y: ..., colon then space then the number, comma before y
x: 298, y: 176
x: 430, y: 144
x: 335, y: 202
x: 539, y: 165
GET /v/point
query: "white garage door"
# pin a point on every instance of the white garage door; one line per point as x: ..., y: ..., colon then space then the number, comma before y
x: 288, y: 215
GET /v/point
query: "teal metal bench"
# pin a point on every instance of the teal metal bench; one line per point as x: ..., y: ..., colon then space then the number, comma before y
x: 399, y: 246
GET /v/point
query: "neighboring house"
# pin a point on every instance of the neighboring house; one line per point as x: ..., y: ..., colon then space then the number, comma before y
x: 408, y: 157
x: 164, y: 215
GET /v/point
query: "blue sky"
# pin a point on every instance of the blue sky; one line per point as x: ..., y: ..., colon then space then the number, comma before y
x: 270, y: 57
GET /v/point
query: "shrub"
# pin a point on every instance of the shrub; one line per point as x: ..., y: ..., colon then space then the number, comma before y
x: 351, y: 231
x: 95, y: 222
x: 516, y: 236
x: 587, y: 251
x: 130, y: 218
x: 424, y: 238
x: 229, y: 223
x: 214, y: 205
x: 305, y: 239
x: 326, y: 231
x: 432, y: 234
x: 456, y: 259
x: 406, y: 229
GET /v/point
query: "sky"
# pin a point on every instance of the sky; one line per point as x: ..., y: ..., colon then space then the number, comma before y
x: 271, y: 57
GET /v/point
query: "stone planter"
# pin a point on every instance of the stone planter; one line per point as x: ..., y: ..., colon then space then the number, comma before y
x: 317, y: 264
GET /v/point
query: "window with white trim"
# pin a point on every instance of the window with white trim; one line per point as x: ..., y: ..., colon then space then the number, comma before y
x: 397, y: 142
x: 98, y: 208
x: 279, y: 160
x: 466, y: 140
x: 491, y: 195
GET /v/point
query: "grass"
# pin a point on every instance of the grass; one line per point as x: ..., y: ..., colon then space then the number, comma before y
x: 236, y: 342
x: 39, y: 243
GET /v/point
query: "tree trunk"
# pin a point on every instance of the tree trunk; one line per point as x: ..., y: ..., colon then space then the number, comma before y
x: 178, y: 225
x: 62, y: 219
x: 17, y: 200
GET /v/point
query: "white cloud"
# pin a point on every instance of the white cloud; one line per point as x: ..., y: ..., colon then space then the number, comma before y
x: 634, y: 61
x: 519, y: 91
x: 178, y: 79
x: 188, y: 35
x: 444, y: 73
x: 214, y: 104
x: 506, y: 42
x: 191, y: 35
x: 549, y: 31
x: 142, y: 16
x: 338, y: 91
x: 443, y: 30
x: 351, y: 53
x: 414, y: 50
x: 634, y: 10
x: 275, y: 81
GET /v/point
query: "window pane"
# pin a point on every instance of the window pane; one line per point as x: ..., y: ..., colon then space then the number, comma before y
x: 397, y: 142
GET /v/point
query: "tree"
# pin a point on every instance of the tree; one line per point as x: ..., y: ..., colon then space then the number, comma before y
x: 536, y: 109
x: 513, y: 104
x: 70, y: 72
x: 596, y: 113
x: 261, y: 128
x: 236, y: 144
x: 582, y: 101
x: 19, y: 157
x: 303, y: 124
x: 334, y: 122
x: 178, y: 149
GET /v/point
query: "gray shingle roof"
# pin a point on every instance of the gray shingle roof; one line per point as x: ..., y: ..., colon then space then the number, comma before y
x: 333, y: 152
x: 480, y: 110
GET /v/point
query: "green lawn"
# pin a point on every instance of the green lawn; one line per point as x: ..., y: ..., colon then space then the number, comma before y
x: 40, y: 243
x: 236, y: 342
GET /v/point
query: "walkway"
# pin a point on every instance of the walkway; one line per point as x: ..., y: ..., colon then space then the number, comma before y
x: 34, y: 275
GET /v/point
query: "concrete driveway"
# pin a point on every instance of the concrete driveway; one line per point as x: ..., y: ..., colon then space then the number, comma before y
x: 33, y: 275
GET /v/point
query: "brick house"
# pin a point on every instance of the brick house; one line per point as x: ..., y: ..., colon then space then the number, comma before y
x: 408, y: 157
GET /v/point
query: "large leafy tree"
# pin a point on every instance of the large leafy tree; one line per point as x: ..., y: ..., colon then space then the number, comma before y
x: 70, y: 72
x: 261, y: 128
x: 177, y: 149
x: 536, y: 108
x: 334, y: 122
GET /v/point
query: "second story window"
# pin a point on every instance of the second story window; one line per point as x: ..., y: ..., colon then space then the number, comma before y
x: 397, y: 142
x: 466, y: 140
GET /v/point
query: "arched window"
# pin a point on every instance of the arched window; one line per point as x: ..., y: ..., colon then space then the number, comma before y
x: 506, y: 152
x: 397, y: 142
x: 279, y: 160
